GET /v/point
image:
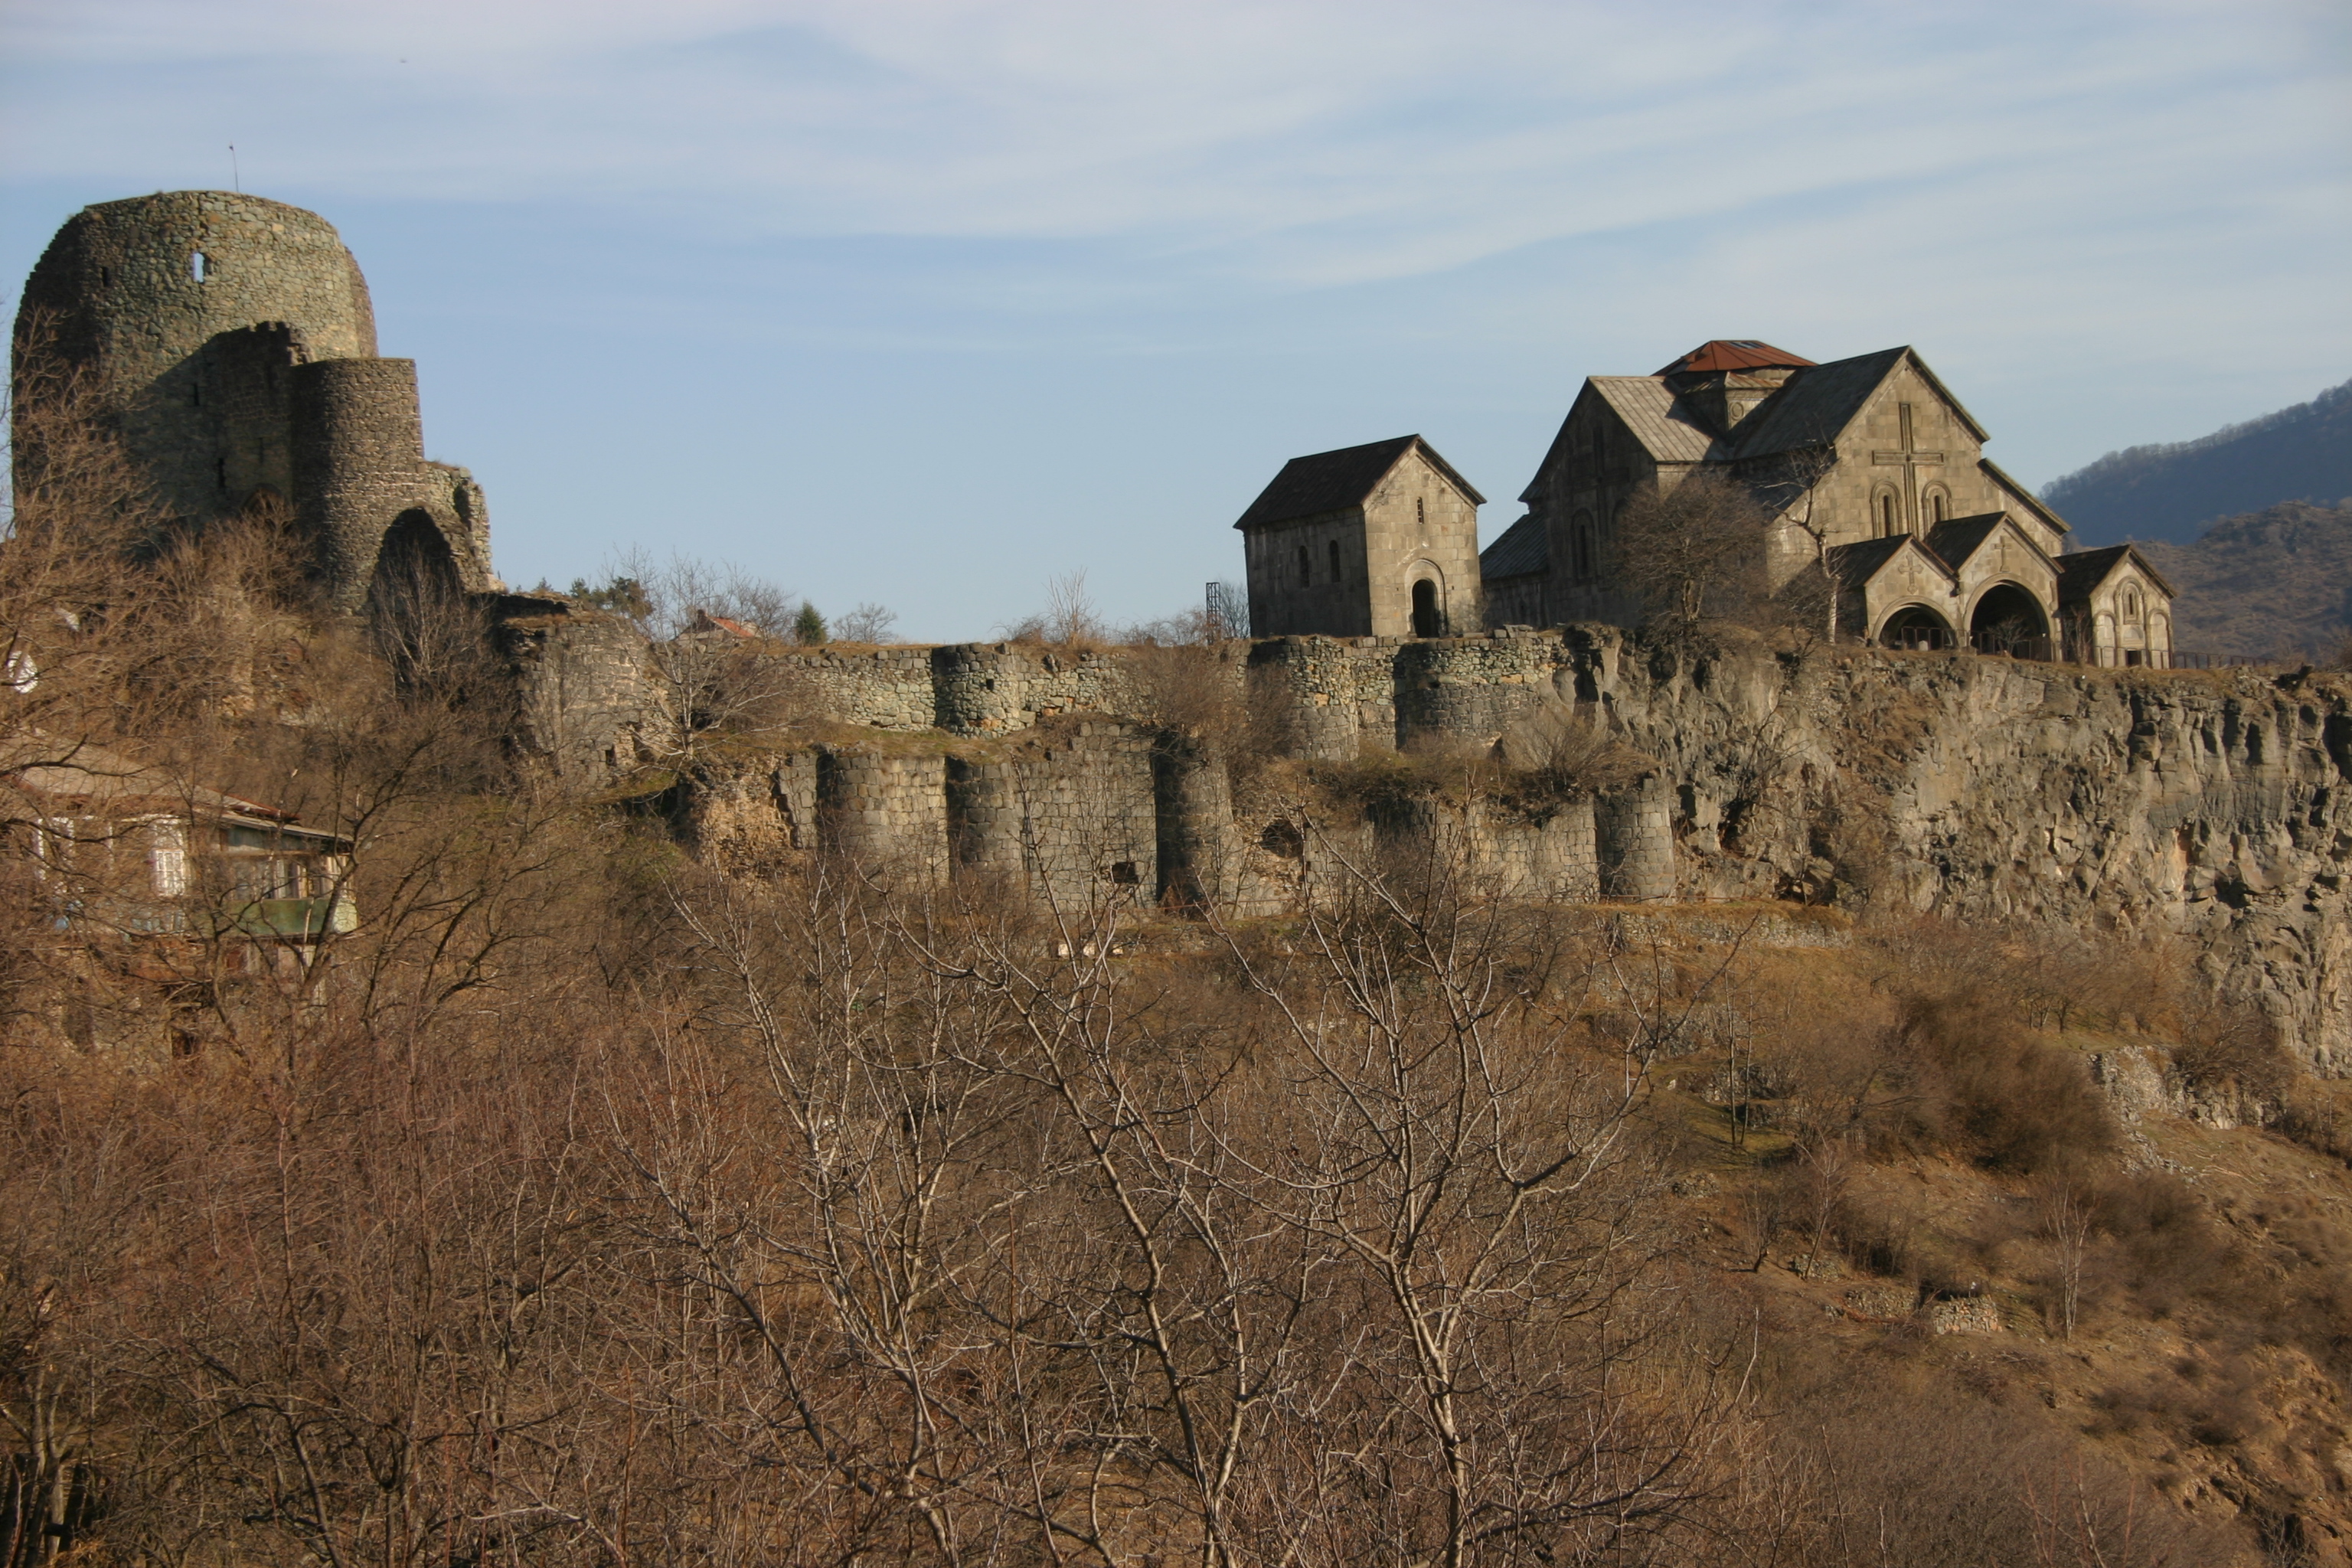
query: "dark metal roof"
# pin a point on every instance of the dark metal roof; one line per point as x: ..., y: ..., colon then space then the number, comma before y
x: 1855, y: 564
x: 1655, y: 417
x: 2081, y: 572
x: 1958, y: 539
x: 1816, y: 404
x: 1525, y: 547
x: 1333, y: 482
x: 1735, y: 354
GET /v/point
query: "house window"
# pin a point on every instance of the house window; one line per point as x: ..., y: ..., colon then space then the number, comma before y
x: 1335, y: 561
x: 1306, y: 576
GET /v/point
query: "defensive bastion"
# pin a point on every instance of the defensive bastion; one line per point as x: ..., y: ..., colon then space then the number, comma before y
x: 2211, y: 805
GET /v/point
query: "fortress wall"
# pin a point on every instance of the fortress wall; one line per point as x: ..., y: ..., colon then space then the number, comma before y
x: 1072, y: 817
x: 890, y: 810
x: 1470, y: 689
x: 1633, y: 843
x: 359, y: 461
x: 584, y: 695
x: 2208, y: 807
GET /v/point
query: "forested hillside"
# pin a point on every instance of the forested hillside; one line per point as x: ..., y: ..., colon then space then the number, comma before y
x: 2275, y: 583
x: 2173, y: 492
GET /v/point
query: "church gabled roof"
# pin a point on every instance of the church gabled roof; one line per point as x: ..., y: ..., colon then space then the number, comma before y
x: 1818, y: 403
x: 1525, y: 547
x: 1958, y: 539
x: 1734, y: 354
x: 1856, y: 564
x: 1650, y: 414
x: 1334, y: 481
x: 1657, y: 418
x: 2082, y: 572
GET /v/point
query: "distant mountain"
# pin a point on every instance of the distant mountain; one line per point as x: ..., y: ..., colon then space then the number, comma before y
x: 2172, y: 492
x: 2272, y: 583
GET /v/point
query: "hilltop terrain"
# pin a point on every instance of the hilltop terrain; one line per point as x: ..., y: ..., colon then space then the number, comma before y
x: 2173, y: 492
x: 2274, y: 583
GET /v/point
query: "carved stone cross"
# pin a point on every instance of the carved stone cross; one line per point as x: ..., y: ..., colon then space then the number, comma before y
x: 1911, y: 459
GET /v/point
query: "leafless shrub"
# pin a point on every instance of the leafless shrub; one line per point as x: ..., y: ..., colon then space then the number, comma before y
x: 868, y: 623
x: 1561, y: 749
x: 1069, y: 620
x: 712, y: 633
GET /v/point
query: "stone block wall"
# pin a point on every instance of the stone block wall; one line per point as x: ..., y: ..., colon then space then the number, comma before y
x: 231, y: 342
x: 584, y: 695
x: 1072, y: 817
x: 2215, y: 807
x: 887, y: 810
x: 1633, y: 841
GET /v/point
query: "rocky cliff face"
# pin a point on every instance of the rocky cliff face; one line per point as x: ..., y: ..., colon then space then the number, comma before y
x: 2210, y: 805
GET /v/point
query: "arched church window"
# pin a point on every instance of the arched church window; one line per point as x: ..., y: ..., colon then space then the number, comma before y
x: 1335, y: 561
x: 1304, y: 575
x: 1889, y: 522
x: 2131, y: 604
x: 1939, y: 509
x: 1581, y: 551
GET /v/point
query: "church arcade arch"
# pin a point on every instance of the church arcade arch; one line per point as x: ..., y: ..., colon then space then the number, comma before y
x: 1915, y: 627
x: 2009, y: 619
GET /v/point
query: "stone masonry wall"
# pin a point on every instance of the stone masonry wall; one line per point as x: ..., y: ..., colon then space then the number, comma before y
x: 2211, y: 807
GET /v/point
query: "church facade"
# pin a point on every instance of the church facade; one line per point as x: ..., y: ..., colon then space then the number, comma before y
x: 1869, y: 468
x: 1380, y: 540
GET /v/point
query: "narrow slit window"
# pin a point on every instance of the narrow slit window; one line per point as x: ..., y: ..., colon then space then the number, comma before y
x: 1335, y: 561
x: 200, y: 266
x: 1306, y: 574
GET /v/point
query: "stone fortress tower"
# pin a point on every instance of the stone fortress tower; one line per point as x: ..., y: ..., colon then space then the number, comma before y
x: 231, y: 340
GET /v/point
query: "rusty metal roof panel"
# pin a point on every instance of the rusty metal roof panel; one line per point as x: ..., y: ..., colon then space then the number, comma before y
x: 1735, y: 354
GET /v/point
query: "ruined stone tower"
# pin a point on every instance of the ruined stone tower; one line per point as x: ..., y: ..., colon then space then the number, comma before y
x: 231, y: 342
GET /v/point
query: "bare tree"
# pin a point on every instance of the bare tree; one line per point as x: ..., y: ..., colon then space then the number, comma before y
x: 2066, y: 1217
x: 868, y: 623
x: 1695, y: 553
x: 713, y: 633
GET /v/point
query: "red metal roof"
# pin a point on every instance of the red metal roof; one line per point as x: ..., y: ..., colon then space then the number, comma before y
x: 1734, y: 354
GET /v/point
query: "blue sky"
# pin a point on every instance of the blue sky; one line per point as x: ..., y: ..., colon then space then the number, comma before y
x: 930, y: 301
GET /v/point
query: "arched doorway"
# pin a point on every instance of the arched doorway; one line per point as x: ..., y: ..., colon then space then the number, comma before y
x: 417, y: 608
x: 1915, y: 627
x: 2007, y: 619
x: 1428, y: 615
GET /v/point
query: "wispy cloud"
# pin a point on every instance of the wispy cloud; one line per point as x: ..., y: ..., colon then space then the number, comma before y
x: 1314, y: 142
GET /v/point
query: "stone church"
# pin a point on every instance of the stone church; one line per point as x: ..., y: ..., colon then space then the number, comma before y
x: 1380, y: 540
x: 230, y: 341
x: 1869, y: 464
